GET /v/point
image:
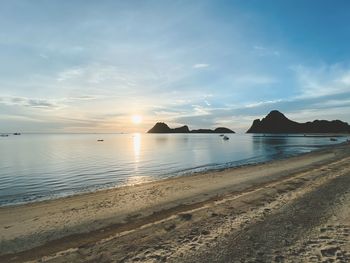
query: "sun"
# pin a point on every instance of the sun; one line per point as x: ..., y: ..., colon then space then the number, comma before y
x: 136, y: 119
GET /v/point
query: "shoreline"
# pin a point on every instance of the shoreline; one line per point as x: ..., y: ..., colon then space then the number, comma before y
x: 38, y: 229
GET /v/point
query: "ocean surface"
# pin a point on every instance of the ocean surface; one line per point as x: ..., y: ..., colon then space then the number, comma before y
x: 42, y: 166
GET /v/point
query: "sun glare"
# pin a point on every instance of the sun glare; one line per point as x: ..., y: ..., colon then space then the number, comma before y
x: 136, y: 119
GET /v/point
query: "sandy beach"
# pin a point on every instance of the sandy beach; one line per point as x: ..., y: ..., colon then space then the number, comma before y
x: 292, y: 210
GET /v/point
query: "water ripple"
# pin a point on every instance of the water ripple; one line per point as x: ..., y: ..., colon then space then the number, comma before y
x: 38, y: 167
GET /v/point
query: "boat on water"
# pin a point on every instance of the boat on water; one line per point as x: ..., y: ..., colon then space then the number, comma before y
x: 221, y: 135
x: 100, y: 140
x: 4, y: 135
x: 333, y: 139
x: 17, y: 133
x: 225, y: 138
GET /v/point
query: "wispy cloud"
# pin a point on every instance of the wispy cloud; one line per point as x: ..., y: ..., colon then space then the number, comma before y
x: 201, y: 65
x: 29, y: 102
x: 260, y: 103
x: 264, y: 51
x: 322, y: 80
x: 254, y: 79
x: 43, y: 56
x: 40, y: 103
x: 69, y: 74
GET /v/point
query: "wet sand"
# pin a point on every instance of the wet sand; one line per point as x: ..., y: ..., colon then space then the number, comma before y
x: 293, y: 210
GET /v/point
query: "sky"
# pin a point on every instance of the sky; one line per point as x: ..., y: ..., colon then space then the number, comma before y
x: 121, y: 66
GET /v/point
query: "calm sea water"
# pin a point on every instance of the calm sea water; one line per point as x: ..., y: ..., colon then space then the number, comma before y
x: 42, y: 166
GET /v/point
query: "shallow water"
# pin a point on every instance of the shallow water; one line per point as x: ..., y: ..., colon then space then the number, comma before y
x: 42, y: 166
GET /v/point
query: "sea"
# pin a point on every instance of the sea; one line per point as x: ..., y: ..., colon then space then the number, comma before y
x: 35, y: 167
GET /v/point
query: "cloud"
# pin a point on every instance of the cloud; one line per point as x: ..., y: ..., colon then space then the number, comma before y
x: 296, y: 104
x: 201, y: 65
x: 323, y: 80
x: 40, y: 103
x: 43, y: 56
x: 207, y: 103
x: 29, y: 102
x: 70, y: 74
x: 79, y: 98
x: 254, y: 79
x: 263, y: 51
x: 196, y: 122
x: 257, y: 104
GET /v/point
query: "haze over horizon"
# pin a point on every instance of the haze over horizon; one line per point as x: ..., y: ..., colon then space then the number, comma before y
x: 121, y: 66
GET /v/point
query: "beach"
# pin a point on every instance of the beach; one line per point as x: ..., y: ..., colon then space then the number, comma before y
x: 290, y: 210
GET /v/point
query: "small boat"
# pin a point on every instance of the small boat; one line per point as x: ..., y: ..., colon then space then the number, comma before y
x: 4, y: 135
x: 225, y: 138
x: 221, y: 135
x: 100, y: 140
x: 17, y: 133
x: 333, y: 139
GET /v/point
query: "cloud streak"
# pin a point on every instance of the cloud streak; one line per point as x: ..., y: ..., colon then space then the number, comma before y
x: 322, y: 80
x: 29, y: 102
x: 200, y: 65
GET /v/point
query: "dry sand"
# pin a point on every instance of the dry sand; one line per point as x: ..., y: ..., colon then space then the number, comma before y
x: 293, y: 210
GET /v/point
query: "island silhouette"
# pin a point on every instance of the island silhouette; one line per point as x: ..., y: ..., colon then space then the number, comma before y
x: 161, y: 127
x: 276, y: 122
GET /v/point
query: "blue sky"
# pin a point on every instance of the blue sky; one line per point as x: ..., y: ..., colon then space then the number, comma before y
x: 88, y: 66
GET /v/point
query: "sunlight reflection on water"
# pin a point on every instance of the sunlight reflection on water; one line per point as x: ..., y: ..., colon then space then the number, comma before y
x: 136, y: 139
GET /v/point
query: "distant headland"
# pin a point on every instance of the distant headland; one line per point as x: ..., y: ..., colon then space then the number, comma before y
x: 276, y: 122
x: 161, y: 127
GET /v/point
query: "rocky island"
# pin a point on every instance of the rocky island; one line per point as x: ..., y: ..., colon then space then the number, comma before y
x: 276, y: 122
x: 161, y: 127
